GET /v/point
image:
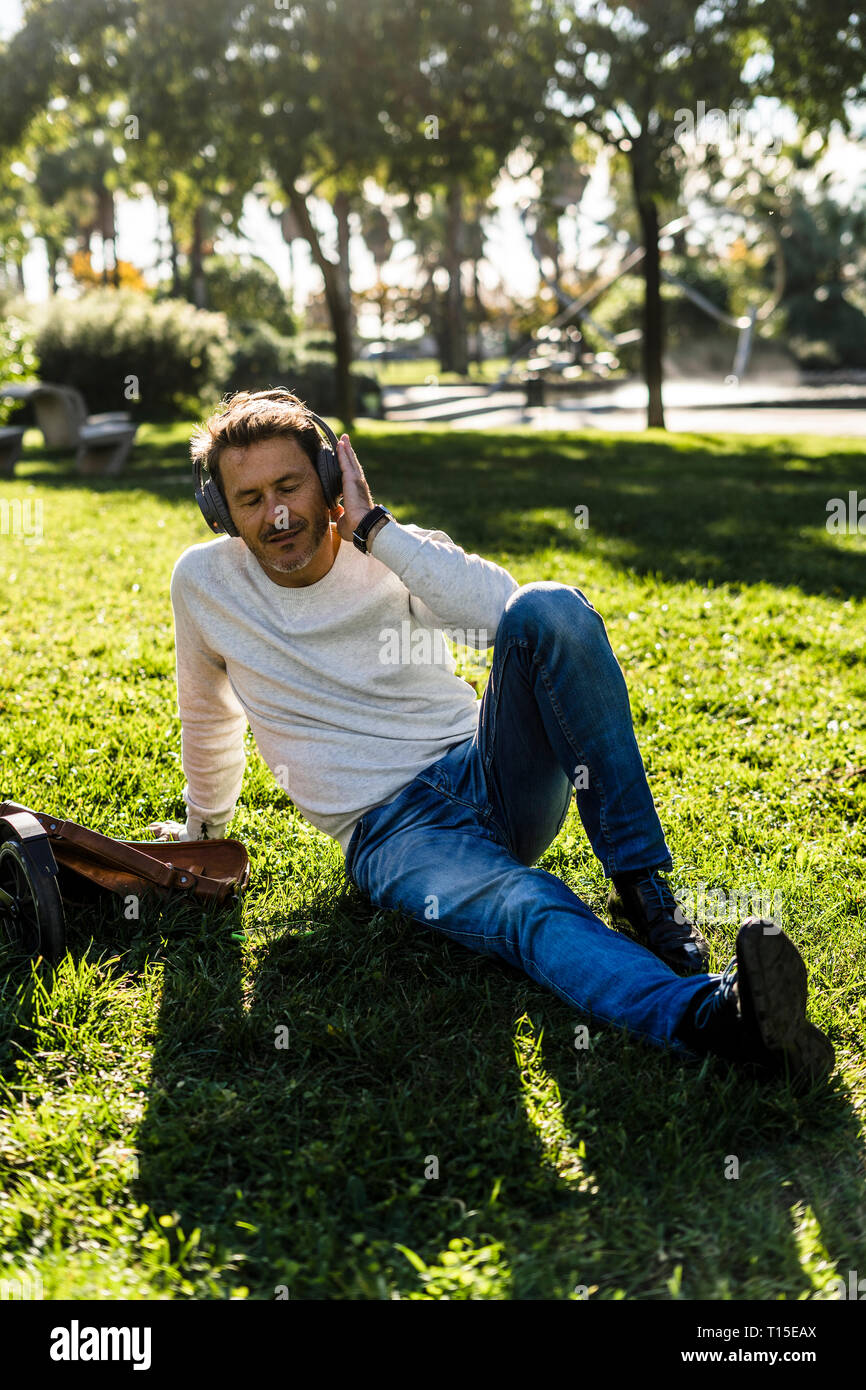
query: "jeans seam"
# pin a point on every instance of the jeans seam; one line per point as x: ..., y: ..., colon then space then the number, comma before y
x: 469, y: 935
x: 459, y: 800
x: 559, y: 990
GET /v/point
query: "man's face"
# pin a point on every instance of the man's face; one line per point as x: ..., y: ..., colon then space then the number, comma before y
x: 276, y: 501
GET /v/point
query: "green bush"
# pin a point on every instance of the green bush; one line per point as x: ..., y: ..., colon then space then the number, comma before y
x: 316, y: 340
x: 122, y: 351
x: 261, y: 356
x: 18, y: 361
x: 619, y: 310
x: 247, y: 290
x: 824, y: 333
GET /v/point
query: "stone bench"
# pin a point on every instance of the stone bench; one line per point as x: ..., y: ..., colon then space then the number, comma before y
x: 11, y: 444
x: 102, y: 442
x: 104, y: 447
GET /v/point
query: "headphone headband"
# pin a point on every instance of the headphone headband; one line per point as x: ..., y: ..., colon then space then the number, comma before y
x: 213, y: 505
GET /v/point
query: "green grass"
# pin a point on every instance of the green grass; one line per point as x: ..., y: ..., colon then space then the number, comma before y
x: 425, y: 370
x: 154, y: 1143
x: 415, y: 371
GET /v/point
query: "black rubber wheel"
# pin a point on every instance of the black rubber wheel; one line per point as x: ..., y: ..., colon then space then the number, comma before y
x: 31, y: 908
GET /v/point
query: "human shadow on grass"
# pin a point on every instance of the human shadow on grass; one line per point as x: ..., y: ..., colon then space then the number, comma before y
x: 356, y: 1083
x: 721, y: 511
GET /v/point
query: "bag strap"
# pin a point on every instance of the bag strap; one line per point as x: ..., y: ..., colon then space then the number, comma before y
x: 125, y: 857
x: 115, y: 852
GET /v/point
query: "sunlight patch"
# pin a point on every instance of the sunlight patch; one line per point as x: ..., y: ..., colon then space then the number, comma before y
x: 542, y: 1102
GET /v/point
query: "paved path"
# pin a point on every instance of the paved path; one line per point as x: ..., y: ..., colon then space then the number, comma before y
x: 696, y: 407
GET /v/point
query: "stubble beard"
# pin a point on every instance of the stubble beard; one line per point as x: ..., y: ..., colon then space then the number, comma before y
x: 299, y: 557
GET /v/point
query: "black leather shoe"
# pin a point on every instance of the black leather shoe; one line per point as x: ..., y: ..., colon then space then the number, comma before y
x: 756, y: 1014
x: 644, y: 906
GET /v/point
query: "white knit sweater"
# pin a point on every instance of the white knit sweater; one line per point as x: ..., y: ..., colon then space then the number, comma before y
x: 346, y: 683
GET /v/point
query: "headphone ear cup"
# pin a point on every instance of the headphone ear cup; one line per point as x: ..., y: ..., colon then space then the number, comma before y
x: 330, y: 474
x: 214, y: 509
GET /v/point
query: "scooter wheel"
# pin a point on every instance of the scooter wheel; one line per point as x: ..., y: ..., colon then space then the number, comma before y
x: 31, y: 908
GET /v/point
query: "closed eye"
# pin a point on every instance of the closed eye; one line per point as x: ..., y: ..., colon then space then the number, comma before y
x: 254, y: 501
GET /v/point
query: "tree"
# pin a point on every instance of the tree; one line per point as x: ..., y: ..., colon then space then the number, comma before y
x: 219, y: 92
x: 816, y: 55
x: 376, y: 231
x: 632, y: 72
x: 246, y: 289
x: 627, y: 74
x: 185, y: 142
x: 15, y: 200
x: 469, y: 90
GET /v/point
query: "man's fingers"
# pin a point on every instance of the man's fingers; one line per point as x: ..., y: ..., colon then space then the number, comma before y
x: 162, y: 830
x: 351, y: 458
x: 355, y: 486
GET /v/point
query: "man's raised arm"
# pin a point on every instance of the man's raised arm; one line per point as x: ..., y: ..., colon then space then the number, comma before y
x: 448, y: 588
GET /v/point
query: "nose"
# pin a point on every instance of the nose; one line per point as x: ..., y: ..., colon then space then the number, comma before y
x: 278, y: 514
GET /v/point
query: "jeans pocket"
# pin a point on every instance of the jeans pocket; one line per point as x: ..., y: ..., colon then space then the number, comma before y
x: 436, y: 779
x: 439, y: 775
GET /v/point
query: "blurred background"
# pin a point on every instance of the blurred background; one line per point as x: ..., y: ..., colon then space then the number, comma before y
x: 487, y: 213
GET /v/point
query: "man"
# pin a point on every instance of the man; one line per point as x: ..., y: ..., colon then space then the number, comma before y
x: 441, y: 802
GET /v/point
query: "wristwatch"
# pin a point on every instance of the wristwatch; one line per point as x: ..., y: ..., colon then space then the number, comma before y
x: 372, y: 519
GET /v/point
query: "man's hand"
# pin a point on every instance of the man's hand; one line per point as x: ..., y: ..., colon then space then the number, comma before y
x: 357, y: 501
x: 165, y: 830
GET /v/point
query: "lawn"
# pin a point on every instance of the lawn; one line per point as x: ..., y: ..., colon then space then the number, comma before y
x: 416, y: 371
x: 155, y: 1143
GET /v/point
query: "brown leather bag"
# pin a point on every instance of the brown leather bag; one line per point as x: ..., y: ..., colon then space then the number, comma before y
x: 213, y: 871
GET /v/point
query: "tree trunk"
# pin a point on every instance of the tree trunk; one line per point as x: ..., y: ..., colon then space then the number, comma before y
x: 479, y: 315
x: 108, y: 235
x: 439, y: 325
x: 291, y: 293
x: 341, y: 320
x: 456, y: 316
x: 339, y: 301
x: 52, y: 255
x: 174, y: 256
x: 199, y: 288
x: 341, y: 212
x: 653, y: 323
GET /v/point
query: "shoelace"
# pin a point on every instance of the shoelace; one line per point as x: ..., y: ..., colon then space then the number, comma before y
x: 668, y: 933
x: 717, y: 998
x: 660, y: 889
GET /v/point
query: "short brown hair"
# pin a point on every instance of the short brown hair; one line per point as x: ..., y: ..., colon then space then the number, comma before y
x: 248, y: 417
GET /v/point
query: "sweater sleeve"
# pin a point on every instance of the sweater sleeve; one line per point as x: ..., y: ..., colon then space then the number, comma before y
x: 447, y: 587
x: 212, y: 723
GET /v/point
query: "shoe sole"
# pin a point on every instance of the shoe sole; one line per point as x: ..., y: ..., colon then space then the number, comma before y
x: 684, y: 967
x: 773, y: 986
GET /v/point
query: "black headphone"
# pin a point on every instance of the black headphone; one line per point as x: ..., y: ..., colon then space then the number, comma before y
x: 213, y: 505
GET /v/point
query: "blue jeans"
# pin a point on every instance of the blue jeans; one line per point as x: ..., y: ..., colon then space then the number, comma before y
x: 454, y: 850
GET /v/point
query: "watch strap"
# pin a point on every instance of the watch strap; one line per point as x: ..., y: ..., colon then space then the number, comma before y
x: 366, y: 524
